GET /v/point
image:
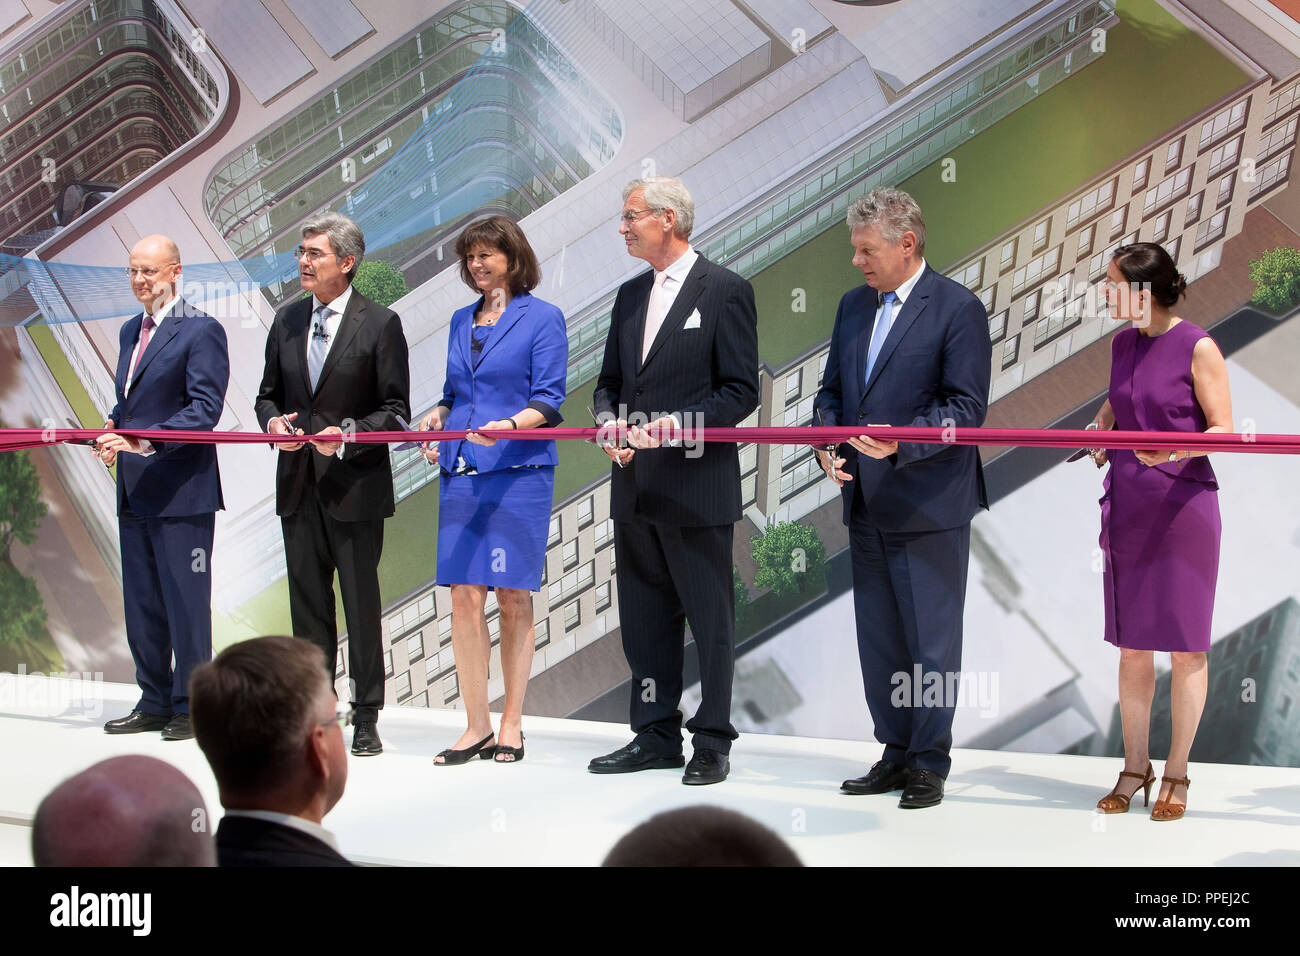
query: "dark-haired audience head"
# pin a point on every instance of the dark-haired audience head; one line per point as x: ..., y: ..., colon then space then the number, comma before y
x: 499, y: 234
x: 701, y: 836
x: 1142, y: 277
x: 124, y: 811
x: 265, y: 716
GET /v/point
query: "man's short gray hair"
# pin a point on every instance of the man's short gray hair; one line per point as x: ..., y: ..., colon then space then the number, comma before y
x: 665, y: 192
x: 344, y: 235
x: 892, y: 211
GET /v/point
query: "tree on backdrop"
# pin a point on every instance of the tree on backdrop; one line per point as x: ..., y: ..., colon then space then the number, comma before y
x: 380, y: 282
x: 1276, y: 274
x: 790, y: 557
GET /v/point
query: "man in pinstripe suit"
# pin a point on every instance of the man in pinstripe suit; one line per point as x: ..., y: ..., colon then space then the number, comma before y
x: 682, y: 352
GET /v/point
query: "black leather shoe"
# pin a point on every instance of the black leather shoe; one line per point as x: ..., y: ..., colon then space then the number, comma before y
x: 137, y: 722
x: 178, y: 728
x: 706, y: 766
x: 634, y: 757
x: 883, y: 777
x: 924, y: 789
x: 365, y: 740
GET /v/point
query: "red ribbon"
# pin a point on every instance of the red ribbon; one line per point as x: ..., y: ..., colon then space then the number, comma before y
x: 12, y: 439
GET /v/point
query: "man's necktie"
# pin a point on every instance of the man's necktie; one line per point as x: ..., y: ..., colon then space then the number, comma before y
x: 319, y: 346
x: 655, y: 313
x: 880, y: 333
x: 146, y: 330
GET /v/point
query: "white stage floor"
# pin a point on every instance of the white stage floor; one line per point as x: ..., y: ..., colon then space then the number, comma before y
x: 1000, y: 808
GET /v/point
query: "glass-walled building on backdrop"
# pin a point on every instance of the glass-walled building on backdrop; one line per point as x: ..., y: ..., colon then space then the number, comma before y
x: 476, y: 112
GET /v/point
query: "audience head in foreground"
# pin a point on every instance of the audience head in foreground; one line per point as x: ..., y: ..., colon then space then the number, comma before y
x: 123, y: 811
x: 701, y: 836
x: 268, y: 722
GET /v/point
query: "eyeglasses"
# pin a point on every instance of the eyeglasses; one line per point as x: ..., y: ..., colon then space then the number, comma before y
x: 632, y: 215
x: 131, y: 272
x: 312, y: 255
x: 344, y: 715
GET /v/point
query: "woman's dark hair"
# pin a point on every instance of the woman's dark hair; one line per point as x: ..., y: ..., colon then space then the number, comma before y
x: 1149, y: 264
x: 498, y: 232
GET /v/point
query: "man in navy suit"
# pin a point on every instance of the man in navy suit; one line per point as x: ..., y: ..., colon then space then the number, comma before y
x: 172, y: 371
x: 336, y: 360
x: 682, y: 352
x: 911, y: 348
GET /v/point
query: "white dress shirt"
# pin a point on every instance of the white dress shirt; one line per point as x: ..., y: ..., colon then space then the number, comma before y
x: 298, y: 823
x: 877, y: 344
x: 333, y: 318
x: 146, y: 446
x: 674, y: 277
x: 157, y: 324
x: 904, y: 290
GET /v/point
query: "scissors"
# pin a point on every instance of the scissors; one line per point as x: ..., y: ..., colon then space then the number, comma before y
x: 1089, y: 452
x: 406, y: 427
x: 605, y: 443
x: 93, y: 442
x: 828, y: 448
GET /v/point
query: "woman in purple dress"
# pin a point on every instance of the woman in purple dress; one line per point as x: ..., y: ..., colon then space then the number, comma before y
x: 1159, y: 516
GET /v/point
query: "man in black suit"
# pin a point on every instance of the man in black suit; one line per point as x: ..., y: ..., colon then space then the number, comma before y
x: 266, y: 718
x: 336, y: 359
x: 911, y: 347
x: 682, y: 353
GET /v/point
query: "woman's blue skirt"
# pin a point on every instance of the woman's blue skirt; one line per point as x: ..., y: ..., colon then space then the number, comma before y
x: 492, y: 527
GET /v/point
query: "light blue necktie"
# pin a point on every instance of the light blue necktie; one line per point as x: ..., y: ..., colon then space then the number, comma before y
x: 880, y: 333
x: 319, y: 345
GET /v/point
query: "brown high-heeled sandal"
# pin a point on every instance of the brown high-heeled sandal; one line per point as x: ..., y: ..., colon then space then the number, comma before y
x: 1166, y: 809
x: 1116, y: 802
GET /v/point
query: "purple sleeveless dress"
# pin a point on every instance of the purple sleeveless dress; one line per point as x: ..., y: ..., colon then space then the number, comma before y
x: 1160, y: 524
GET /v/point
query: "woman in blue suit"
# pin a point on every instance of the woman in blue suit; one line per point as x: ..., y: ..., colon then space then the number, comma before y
x: 507, y: 360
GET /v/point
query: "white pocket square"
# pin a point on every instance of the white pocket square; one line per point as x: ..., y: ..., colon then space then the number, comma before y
x: 692, y: 320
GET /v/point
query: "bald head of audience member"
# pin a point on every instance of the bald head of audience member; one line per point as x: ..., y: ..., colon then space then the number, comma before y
x: 265, y: 716
x: 124, y: 811
x: 701, y: 836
